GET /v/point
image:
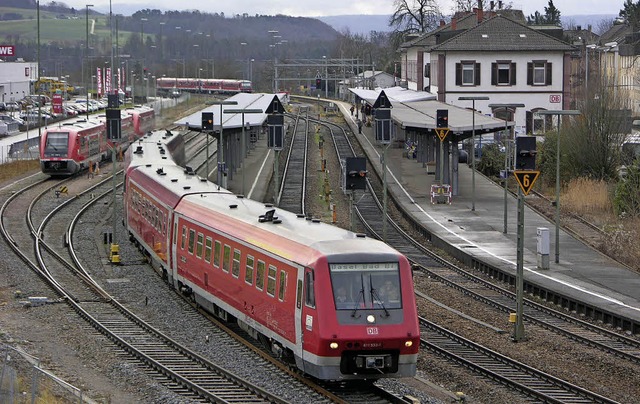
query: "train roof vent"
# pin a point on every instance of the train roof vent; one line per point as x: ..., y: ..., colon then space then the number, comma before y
x: 168, y: 133
x: 268, y: 205
x: 189, y: 170
x: 174, y: 180
x: 234, y: 206
x: 164, y: 157
x: 147, y: 165
x: 269, y: 216
x: 161, y: 171
x: 240, y: 196
x: 139, y: 150
x: 300, y: 216
x: 186, y: 187
x: 361, y: 235
x: 202, y: 179
x: 315, y: 220
x: 277, y: 221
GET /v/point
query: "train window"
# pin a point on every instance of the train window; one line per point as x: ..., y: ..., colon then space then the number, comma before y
x: 207, y: 249
x: 192, y: 240
x: 248, y: 274
x: 372, y: 285
x: 175, y: 233
x: 299, y: 294
x: 206, y: 279
x: 283, y: 284
x: 309, y: 293
x: 235, y: 268
x: 226, y: 258
x: 260, y: 275
x: 271, y: 281
x: 216, y: 255
x: 184, y: 237
x: 199, y: 245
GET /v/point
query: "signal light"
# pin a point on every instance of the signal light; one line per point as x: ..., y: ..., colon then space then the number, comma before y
x: 442, y: 118
x: 207, y: 121
x: 526, y: 153
x: 318, y: 83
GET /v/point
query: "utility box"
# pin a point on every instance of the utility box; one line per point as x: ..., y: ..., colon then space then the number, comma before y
x: 542, y: 236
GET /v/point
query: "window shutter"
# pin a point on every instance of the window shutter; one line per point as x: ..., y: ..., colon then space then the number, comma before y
x: 494, y: 74
x: 530, y: 73
x: 476, y: 76
x: 547, y: 76
x: 512, y: 74
x: 529, y: 122
x: 458, y: 74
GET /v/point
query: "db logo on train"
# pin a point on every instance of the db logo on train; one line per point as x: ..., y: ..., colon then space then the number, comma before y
x: 372, y: 330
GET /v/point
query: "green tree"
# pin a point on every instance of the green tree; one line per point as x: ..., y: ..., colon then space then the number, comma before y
x: 551, y: 16
x: 631, y: 11
x: 627, y: 195
x: 492, y: 160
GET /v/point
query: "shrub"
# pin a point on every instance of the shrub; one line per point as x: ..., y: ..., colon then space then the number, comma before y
x: 627, y: 195
x: 492, y: 160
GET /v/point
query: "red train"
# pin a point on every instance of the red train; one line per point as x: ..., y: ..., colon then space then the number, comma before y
x: 337, y: 304
x: 69, y: 147
x: 224, y: 86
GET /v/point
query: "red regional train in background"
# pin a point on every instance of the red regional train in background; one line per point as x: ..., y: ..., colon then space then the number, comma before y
x: 320, y: 296
x: 69, y: 147
x: 209, y: 86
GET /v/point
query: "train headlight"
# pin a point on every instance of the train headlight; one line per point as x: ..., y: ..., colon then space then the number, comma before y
x: 371, y: 318
x: 333, y: 345
x: 408, y: 344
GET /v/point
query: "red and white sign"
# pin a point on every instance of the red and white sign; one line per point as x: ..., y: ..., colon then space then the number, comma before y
x: 7, y: 50
x: 555, y: 98
x: 107, y: 80
x: 56, y: 101
x: 99, y: 81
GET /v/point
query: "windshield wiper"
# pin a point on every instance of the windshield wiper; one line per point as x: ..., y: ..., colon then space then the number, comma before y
x: 374, y: 294
x: 355, y: 307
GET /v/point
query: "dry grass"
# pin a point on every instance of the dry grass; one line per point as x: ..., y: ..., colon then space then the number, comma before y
x: 585, y: 196
x: 18, y: 168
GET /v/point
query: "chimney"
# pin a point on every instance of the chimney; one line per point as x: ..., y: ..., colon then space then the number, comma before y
x: 454, y: 24
x: 480, y: 12
x: 499, y: 4
x: 442, y: 24
x: 579, y: 28
x: 492, y: 4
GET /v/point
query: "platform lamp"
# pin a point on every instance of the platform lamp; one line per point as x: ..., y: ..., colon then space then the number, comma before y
x: 221, y: 177
x: 473, y: 100
x: 506, y: 108
x: 243, y: 145
x: 86, y: 55
x: 559, y: 113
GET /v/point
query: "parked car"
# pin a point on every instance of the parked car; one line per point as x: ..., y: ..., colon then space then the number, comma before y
x: 12, y: 106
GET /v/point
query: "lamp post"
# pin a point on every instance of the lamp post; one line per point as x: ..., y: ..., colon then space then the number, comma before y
x: 243, y: 144
x: 506, y: 108
x: 86, y: 55
x: 244, y: 72
x: 251, y: 71
x: 473, y: 100
x: 326, y: 78
x: 221, y: 178
x: 161, y: 41
x: 559, y: 113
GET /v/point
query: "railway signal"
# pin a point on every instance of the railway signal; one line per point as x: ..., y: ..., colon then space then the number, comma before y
x: 356, y: 173
x: 442, y: 118
x: 526, y: 153
x: 207, y: 121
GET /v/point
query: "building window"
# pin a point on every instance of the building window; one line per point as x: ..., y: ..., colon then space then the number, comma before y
x: 538, y: 124
x: 503, y: 73
x: 467, y: 73
x: 539, y: 73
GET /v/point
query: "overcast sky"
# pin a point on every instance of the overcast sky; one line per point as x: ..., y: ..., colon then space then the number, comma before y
x: 310, y: 8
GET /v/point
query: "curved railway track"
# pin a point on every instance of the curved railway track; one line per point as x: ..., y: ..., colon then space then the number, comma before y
x: 179, y: 368
x: 293, y: 186
x: 369, y: 211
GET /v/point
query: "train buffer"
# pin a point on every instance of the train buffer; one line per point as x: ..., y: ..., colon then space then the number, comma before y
x: 440, y: 193
x: 62, y: 190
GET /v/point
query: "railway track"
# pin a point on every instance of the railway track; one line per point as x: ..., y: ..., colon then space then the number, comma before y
x: 177, y: 367
x: 293, y: 186
x: 369, y: 210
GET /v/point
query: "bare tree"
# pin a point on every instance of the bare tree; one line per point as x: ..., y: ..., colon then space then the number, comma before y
x: 411, y: 16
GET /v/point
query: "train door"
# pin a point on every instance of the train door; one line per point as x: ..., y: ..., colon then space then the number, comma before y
x: 309, y: 320
x: 173, y: 263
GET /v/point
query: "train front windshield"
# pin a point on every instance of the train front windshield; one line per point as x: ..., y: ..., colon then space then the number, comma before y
x: 57, y: 144
x: 370, y: 285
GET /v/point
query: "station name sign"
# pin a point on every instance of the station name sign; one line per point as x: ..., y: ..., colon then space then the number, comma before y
x: 7, y: 50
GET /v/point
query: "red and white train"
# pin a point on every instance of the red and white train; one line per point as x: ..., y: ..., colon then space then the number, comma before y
x: 321, y: 296
x: 69, y: 147
x: 209, y: 86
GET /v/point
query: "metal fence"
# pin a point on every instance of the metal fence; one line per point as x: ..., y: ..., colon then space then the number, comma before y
x: 23, y: 380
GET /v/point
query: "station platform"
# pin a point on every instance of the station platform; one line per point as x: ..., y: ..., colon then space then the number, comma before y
x: 583, y: 274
